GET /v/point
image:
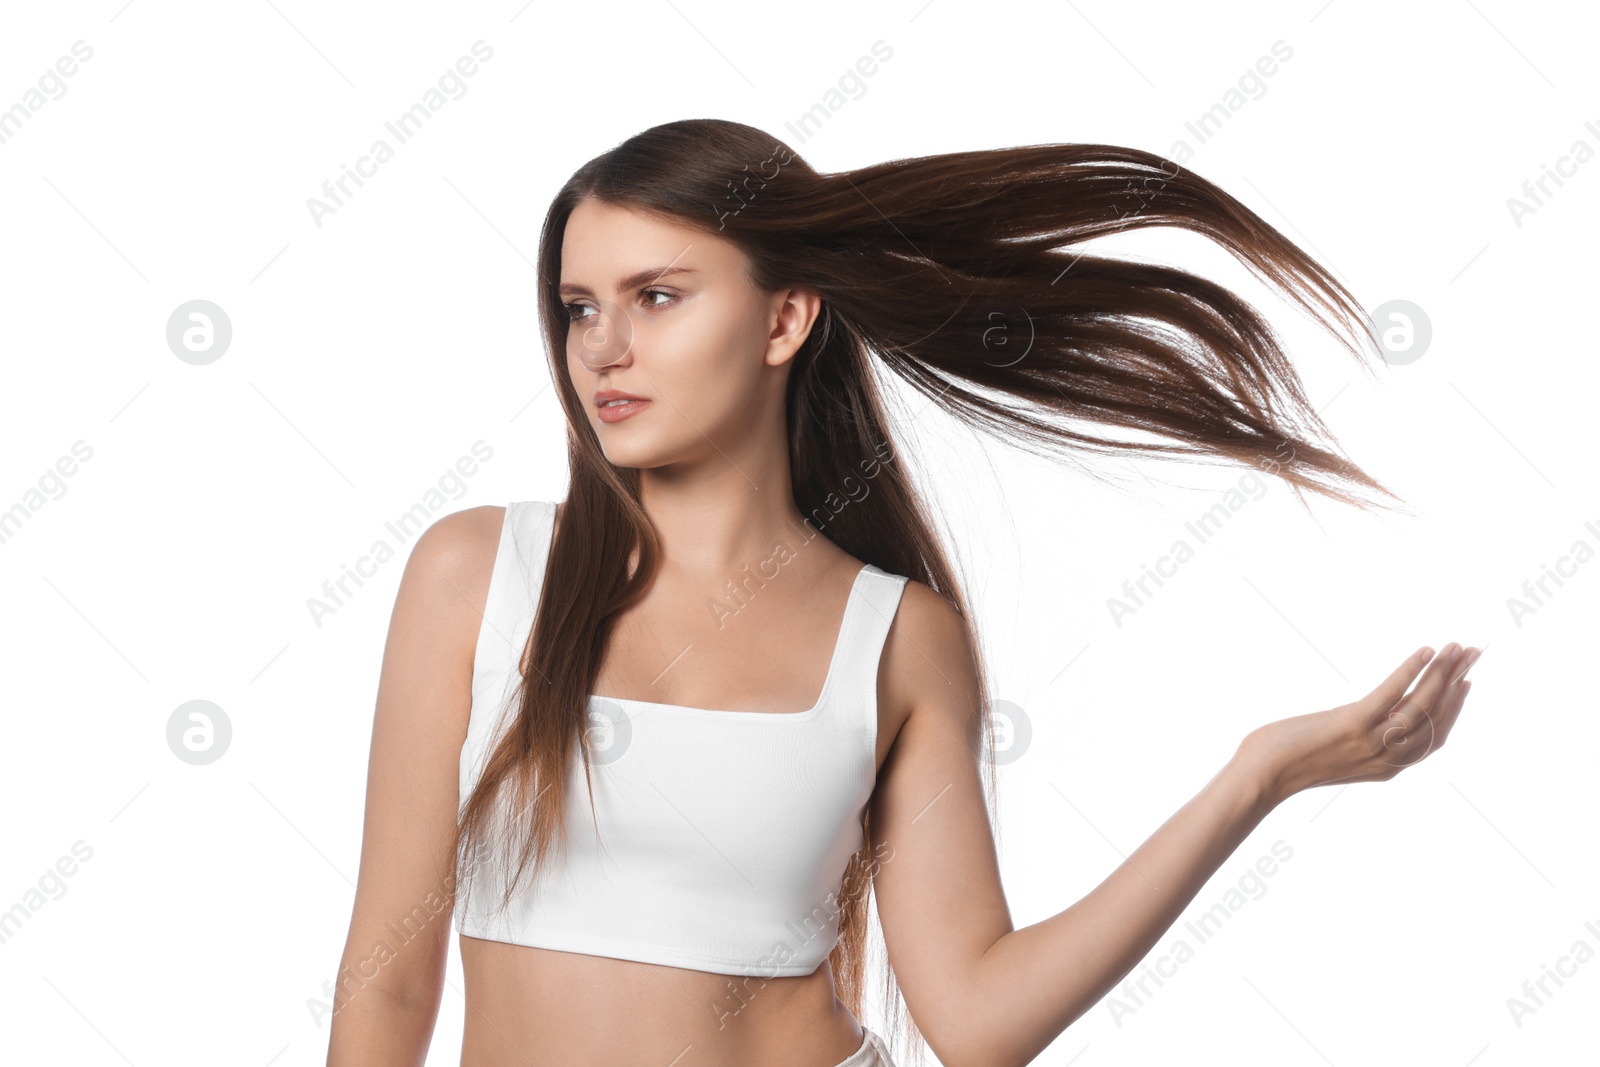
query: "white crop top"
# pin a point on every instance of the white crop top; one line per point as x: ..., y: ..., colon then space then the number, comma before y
x: 723, y: 835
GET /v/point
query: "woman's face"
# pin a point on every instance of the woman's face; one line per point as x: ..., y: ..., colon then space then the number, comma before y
x: 667, y: 313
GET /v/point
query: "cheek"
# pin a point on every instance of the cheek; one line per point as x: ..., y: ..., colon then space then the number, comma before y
x: 690, y: 358
x: 713, y: 376
x: 583, y: 382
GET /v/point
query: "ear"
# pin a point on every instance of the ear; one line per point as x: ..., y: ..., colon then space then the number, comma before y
x: 794, y: 311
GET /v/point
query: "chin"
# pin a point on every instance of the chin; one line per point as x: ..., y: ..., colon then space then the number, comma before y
x: 643, y: 447
x: 639, y: 455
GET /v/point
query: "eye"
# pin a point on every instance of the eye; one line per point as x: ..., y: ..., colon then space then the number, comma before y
x: 573, y: 310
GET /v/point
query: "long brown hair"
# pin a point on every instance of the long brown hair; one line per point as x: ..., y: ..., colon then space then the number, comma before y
x: 956, y: 273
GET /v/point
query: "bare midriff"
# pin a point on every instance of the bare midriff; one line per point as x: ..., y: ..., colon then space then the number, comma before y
x: 536, y: 1007
x: 544, y: 1007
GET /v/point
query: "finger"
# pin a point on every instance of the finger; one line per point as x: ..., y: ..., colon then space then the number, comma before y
x: 1410, y: 728
x: 1425, y: 697
x: 1464, y: 662
x: 1451, y: 711
x: 1394, y: 687
x: 1432, y: 728
x: 1419, y: 729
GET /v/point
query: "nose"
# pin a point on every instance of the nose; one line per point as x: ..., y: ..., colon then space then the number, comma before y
x: 603, y: 339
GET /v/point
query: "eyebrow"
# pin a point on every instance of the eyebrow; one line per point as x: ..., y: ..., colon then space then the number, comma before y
x: 634, y: 280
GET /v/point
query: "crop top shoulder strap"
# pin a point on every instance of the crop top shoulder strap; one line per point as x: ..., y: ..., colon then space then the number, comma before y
x: 850, y: 686
x: 514, y: 587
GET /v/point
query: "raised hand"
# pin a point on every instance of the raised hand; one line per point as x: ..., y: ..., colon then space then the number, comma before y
x: 1371, y: 739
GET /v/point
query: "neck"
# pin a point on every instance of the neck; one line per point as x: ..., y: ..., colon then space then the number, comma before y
x: 729, y: 512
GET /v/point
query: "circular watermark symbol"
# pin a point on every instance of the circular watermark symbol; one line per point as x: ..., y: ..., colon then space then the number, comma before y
x: 199, y: 332
x: 601, y: 338
x: 1000, y: 336
x: 1410, y: 738
x: 1013, y: 731
x: 609, y: 731
x: 199, y: 732
x: 1403, y: 330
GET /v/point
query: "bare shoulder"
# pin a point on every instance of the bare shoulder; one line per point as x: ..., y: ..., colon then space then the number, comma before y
x: 459, y: 540
x: 446, y: 580
x: 929, y: 668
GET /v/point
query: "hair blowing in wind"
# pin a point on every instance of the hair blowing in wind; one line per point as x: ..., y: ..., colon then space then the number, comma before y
x: 958, y: 273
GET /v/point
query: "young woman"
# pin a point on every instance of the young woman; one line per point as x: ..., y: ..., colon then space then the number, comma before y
x: 654, y: 746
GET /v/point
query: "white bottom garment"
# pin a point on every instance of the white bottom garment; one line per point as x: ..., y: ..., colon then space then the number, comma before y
x: 872, y: 1053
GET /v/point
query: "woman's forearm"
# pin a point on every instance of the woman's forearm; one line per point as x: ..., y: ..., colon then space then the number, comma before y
x: 1034, y: 982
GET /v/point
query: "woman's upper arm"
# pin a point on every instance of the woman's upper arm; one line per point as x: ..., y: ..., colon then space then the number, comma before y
x: 424, y: 700
x: 940, y: 900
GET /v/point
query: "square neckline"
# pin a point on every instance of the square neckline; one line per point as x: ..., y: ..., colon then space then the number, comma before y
x: 788, y: 716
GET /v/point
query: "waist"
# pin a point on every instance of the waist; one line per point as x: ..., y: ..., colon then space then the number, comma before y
x: 539, y: 1005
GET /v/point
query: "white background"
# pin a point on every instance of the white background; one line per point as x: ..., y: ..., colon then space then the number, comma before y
x: 370, y: 353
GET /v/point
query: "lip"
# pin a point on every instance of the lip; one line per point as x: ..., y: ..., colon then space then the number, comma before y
x: 614, y: 394
x: 618, y: 412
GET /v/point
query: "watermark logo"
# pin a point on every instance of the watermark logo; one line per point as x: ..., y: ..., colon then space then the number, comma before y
x: 50, y: 486
x: 852, y: 82
x: 50, y: 82
x: 336, y: 191
x: 199, y: 732
x: 1536, y: 192
x: 821, y: 919
x: 1251, y: 85
x: 1000, y: 336
x: 199, y: 332
x: 739, y: 592
x: 1403, y: 331
x: 397, y: 935
x: 602, y: 338
x: 51, y: 885
x: 1536, y: 591
x: 451, y: 485
x: 1013, y: 731
x: 1136, y: 992
x: 1536, y: 991
x: 744, y: 183
x: 1137, y: 593
x: 608, y: 731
